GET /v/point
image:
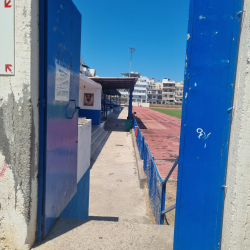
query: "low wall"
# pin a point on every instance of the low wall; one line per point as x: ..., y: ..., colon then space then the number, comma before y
x: 94, y: 115
x: 140, y: 104
x: 165, y: 106
x: 78, y: 208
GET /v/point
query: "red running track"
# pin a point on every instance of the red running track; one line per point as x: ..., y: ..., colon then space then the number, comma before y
x: 162, y: 134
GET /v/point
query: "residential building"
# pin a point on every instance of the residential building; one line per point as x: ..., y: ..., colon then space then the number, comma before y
x: 155, y: 85
x: 179, y: 93
x: 155, y: 96
x: 168, y: 91
x: 159, y: 85
x: 85, y: 69
x: 140, y: 93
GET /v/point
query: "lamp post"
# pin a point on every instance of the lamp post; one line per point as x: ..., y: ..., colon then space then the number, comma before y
x: 131, y: 50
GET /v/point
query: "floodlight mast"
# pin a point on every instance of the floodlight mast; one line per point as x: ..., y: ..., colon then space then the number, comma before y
x: 131, y: 50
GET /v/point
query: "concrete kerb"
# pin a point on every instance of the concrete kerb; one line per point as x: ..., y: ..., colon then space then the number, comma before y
x: 141, y: 175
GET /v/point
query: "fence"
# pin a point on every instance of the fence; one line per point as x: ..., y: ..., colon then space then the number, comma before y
x: 156, y: 186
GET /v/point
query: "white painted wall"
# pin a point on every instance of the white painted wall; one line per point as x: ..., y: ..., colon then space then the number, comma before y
x: 236, y: 221
x: 84, y: 147
x: 97, y: 100
x: 19, y: 133
x: 140, y: 104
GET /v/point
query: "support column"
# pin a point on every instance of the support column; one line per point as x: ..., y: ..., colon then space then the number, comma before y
x: 113, y: 99
x: 104, y: 105
x: 130, y: 102
x: 236, y: 220
x: 110, y: 93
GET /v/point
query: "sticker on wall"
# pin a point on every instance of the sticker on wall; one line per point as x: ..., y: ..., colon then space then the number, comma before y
x: 62, y: 84
x: 88, y: 99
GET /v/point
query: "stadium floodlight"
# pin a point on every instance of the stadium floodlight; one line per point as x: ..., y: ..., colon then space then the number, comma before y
x: 131, y: 50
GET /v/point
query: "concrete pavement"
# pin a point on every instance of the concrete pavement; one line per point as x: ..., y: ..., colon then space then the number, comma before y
x: 114, y: 189
x: 74, y: 234
x: 119, y: 209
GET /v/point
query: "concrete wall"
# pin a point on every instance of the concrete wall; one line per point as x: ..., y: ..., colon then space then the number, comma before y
x: 19, y: 134
x: 78, y: 207
x: 97, y: 100
x: 236, y: 221
x: 165, y: 106
x: 141, y: 104
x: 84, y: 148
x: 94, y: 112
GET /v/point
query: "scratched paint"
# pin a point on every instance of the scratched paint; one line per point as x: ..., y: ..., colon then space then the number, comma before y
x: 202, y: 134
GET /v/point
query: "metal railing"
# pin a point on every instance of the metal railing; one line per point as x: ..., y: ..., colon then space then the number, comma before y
x: 156, y: 185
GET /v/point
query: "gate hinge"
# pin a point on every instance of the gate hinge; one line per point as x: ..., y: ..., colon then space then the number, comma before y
x: 230, y: 110
x: 240, y: 12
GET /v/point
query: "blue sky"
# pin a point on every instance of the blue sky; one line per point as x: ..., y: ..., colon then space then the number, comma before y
x: 156, y: 29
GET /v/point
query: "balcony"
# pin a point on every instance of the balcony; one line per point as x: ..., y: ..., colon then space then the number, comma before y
x: 168, y: 91
x: 179, y: 95
x: 150, y: 93
x: 178, y: 102
x: 168, y: 87
x: 168, y: 98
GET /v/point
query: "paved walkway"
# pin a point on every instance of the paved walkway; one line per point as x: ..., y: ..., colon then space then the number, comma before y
x: 119, y: 214
x: 114, y: 188
x: 162, y: 134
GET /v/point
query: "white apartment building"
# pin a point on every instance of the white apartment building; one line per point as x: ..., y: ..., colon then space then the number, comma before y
x: 155, y: 96
x: 140, y: 93
x: 155, y: 85
x: 168, y: 91
x: 179, y: 93
x: 85, y: 69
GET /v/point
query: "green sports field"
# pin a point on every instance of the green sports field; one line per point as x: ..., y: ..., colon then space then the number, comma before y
x: 172, y: 112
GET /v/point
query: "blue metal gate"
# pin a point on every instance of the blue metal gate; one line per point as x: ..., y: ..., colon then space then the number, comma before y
x: 60, y: 60
x: 213, y: 37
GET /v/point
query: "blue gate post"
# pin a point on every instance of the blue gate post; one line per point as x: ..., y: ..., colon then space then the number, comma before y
x: 212, y: 44
x: 130, y: 102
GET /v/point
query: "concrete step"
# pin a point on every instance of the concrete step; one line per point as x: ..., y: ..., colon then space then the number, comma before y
x: 96, y: 135
x: 77, y: 234
x: 95, y: 155
x: 95, y: 129
x: 98, y: 141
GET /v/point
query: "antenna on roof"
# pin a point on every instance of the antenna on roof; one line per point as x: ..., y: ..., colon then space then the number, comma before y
x: 131, y: 50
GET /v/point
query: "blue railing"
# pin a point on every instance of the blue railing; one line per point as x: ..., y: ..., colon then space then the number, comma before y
x: 156, y: 185
x: 139, y: 139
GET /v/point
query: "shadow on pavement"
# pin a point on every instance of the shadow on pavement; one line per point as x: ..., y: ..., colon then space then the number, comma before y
x: 101, y: 218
